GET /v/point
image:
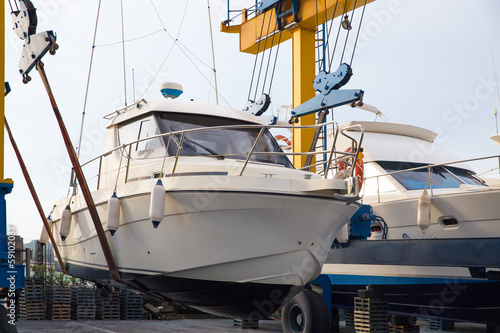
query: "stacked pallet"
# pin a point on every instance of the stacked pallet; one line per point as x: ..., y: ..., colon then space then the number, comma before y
x: 31, y: 302
x: 108, y: 307
x: 59, y: 303
x: 246, y: 323
x: 403, y: 324
x: 130, y: 306
x: 349, y: 317
x: 403, y: 329
x: 370, y: 315
x: 83, y: 303
x: 441, y: 325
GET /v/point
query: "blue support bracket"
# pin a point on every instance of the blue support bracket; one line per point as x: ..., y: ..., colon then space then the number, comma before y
x: 5, y: 188
x: 11, y: 275
x: 328, y: 85
x: 333, y: 99
x: 267, y: 4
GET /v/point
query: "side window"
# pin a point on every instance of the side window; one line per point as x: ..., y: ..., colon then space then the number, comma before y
x: 372, y: 186
x: 142, y: 129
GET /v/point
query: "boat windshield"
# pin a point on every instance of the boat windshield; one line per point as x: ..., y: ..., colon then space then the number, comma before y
x: 441, y: 176
x: 222, y: 143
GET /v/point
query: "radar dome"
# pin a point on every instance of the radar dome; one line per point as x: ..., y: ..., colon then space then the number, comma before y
x: 171, y: 89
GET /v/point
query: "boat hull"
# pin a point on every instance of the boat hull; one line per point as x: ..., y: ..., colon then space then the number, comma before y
x: 233, y: 253
x: 477, y: 214
x: 223, y: 298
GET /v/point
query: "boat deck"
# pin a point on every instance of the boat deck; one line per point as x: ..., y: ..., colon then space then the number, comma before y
x: 188, y: 325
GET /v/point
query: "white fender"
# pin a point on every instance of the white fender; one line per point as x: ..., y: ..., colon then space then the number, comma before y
x: 157, y: 204
x: 424, y: 211
x: 65, y: 223
x: 114, y: 205
x: 44, y: 236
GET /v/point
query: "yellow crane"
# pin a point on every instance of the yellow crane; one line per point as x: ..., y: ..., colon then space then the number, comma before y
x: 299, y: 22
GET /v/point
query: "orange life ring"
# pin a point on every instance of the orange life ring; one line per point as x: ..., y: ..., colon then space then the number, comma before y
x: 287, y: 141
x: 358, y: 171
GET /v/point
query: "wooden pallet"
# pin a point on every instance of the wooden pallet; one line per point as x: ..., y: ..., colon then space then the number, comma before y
x: 33, y: 281
x: 349, y: 317
x: 83, y: 304
x: 58, y: 312
x: 32, y: 294
x: 441, y: 325
x: 245, y: 324
x: 370, y: 315
x: 59, y: 295
x: 82, y: 313
x: 130, y: 306
x: 32, y: 311
x: 107, y: 315
x: 108, y: 308
x: 371, y: 328
x: 403, y: 329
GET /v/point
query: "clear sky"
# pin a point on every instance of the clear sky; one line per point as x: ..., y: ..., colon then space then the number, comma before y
x: 427, y: 63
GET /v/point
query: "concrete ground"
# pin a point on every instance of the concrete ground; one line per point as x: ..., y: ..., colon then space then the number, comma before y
x: 184, y: 325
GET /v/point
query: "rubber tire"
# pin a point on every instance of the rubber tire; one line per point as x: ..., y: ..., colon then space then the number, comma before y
x: 306, y: 313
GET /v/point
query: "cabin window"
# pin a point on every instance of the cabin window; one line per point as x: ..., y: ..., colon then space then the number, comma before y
x: 141, y: 130
x: 441, y: 177
x: 374, y: 184
x: 221, y: 143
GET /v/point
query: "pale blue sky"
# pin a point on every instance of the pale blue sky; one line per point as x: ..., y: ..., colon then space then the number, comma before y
x: 426, y: 63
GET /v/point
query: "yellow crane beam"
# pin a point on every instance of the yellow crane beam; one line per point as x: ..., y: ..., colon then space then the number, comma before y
x: 311, y: 14
x: 303, y: 73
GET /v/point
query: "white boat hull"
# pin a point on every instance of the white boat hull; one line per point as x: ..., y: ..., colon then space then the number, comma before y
x: 223, y: 251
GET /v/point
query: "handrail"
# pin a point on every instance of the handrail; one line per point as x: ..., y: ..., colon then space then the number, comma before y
x: 434, y: 165
x: 235, y: 127
x: 263, y: 127
x: 252, y: 150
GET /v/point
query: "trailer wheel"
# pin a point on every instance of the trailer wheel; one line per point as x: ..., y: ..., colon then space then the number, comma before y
x: 306, y: 313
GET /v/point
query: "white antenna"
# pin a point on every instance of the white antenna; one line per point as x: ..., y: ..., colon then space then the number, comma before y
x: 133, y: 84
x: 496, y: 136
x: 213, y: 53
x: 123, y: 54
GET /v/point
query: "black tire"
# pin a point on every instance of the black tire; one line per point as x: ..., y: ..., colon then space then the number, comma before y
x: 306, y: 313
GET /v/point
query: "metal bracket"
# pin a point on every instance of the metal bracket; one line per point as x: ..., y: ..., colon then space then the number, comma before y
x: 35, y: 45
x: 327, y: 84
x: 260, y: 106
x: 333, y: 99
x: 6, y: 89
x: 265, y: 5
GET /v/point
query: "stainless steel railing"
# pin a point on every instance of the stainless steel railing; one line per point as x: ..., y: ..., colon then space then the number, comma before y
x: 333, y: 155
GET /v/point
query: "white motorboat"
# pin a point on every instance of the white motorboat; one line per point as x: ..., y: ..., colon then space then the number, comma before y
x: 400, y: 162
x: 241, y: 229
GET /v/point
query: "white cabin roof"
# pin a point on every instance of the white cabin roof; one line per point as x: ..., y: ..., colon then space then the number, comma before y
x: 182, y: 106
x: 399, y: 142
x: 394, y: 129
